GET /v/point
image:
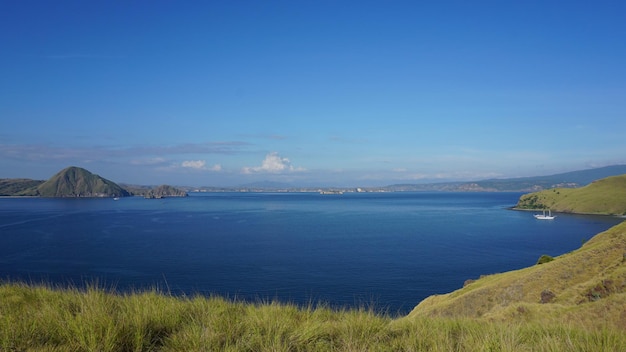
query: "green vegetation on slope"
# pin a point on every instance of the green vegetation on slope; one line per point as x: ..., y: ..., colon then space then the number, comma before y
x: 44, y: 319
x: 605, y: 196
x: 78, y: 182
x: 585, y: 288
x: 18, y: 187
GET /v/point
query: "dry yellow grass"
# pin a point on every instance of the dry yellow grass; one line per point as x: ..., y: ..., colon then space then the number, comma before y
x: 586, y: 287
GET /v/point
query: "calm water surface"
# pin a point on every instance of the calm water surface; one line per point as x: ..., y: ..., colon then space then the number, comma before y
x: 386, y: 249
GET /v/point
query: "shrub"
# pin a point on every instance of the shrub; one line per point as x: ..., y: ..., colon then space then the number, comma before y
x: 544, y: 259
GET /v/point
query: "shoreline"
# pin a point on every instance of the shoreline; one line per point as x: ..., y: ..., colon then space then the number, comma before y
x: 568, y: 212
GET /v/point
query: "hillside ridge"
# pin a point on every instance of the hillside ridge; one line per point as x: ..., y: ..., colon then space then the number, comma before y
x: 587, y: 286
x: 571, y: 179
x: 606, y: 196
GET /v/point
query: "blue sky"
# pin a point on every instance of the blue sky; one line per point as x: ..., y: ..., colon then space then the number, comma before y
x: 347, y: 93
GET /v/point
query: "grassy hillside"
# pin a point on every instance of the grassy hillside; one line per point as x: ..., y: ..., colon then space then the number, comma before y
x: 78, y: 182
x: 605, y: 196
x: 15, y: 187
x: 584, y: 288
x: 38, y: 318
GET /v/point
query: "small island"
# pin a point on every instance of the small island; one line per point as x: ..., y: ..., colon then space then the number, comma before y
x: 161, y: 191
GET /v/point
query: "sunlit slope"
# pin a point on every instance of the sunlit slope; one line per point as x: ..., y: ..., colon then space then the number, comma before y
x: 585, y: 287
x: 605, y: 196
x: 18, y: 187
x: 78, y: 182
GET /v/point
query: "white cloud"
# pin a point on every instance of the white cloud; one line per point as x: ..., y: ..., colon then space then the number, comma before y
x: 200, y: 165
x: 273, y: 163
x: 194, y: 164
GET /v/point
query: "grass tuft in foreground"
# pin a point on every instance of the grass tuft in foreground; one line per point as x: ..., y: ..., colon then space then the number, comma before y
x: 39, y: 318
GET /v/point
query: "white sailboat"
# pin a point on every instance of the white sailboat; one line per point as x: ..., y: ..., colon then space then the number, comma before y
x: 544, y: 216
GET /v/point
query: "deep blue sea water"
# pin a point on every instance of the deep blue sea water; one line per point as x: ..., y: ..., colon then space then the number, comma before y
x: 390, y: 250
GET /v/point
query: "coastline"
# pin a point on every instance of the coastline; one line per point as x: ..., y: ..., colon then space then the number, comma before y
x: 568, y: 212
x: 20, y: 197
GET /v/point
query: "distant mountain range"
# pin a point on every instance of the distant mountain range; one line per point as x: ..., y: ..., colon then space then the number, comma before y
x: 571, y: 179
x: 78, y: 182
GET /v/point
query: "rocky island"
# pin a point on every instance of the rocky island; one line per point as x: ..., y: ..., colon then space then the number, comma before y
x: 163, y: 191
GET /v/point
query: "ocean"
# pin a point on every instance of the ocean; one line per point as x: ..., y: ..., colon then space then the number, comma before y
x: 386, y: 251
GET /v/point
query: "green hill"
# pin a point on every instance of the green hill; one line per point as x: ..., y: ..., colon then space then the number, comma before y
x: 586, y: 287
x: 605, y: 196
x: 78, y: 182
x: 18, y: 187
